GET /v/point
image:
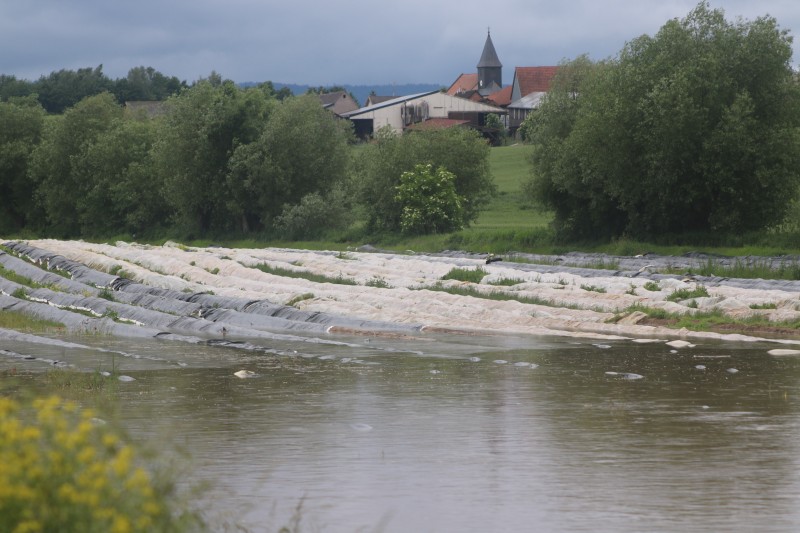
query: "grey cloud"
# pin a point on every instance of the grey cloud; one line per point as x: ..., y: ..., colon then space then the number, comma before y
x: 351, y: 41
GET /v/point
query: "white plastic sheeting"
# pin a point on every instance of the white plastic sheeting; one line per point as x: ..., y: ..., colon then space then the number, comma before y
x: 221, y: 287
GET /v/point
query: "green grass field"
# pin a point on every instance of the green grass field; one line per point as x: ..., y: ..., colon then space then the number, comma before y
x: 509, y: 210
x: 508, y: 223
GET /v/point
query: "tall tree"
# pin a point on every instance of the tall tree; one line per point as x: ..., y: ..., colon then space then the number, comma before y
x: 146, y: 83
x: 302, y: 150
x: 122, y: 191
x: 23, y: 122
x: 10, y: 86
x: 53, y: 169
x: 65, y: 88
x: 695, y: 129
x: 198, y: 135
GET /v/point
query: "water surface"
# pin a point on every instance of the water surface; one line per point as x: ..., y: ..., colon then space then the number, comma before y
x: 540, y: 434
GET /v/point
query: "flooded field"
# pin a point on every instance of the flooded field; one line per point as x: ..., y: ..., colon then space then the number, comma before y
x: 480, y: 433
x: 387, y: 405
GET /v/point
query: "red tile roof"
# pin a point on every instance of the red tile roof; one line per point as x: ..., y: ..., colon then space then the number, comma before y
x: 465, y: 82
x: 502, y: 97
x: 534, y: 79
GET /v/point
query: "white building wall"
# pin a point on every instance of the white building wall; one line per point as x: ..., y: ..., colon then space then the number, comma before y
x: 439, y: 106
x: 387, y: 116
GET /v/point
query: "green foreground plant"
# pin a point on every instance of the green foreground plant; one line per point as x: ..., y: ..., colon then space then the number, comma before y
x: 61, y: 469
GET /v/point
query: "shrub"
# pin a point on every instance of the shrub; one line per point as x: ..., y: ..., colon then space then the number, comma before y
x: 315, y: 215
x: 62, y: 471
x: 764, y: 306
x: 380, y: 164
x: 428, y: 201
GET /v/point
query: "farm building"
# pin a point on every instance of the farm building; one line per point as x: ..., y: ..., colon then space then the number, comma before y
x: 524, y: 94
x: 339, y: 102
x: 403, y: 112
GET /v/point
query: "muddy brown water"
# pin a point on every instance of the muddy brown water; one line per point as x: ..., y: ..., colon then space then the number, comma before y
x: 455, y: 433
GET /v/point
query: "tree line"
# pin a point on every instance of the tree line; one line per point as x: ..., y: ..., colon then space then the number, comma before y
x: 64, y: 88
x: 693, y: 130
x: 220, y: 159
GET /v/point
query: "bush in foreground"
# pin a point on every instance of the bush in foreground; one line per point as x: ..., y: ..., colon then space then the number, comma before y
x: 63, y: 470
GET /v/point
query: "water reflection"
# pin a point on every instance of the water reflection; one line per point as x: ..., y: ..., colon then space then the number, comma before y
x: 439, y: 437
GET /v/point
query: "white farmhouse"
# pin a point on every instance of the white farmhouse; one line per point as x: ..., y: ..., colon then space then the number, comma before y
x: 405, y: 112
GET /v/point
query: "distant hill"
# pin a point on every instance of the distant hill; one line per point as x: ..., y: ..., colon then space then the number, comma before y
x: 361, y: 92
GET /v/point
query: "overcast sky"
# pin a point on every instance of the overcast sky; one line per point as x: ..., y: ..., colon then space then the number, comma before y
x: 326, y: 43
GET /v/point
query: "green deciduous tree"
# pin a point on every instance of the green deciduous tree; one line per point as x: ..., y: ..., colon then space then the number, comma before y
x: 302, y: 150
x: 10, y: 86
x: 694, y: 129
x: 65, y: 88
x: 146, y: 83
x: 429, y: 201
x: 463, y: 152
x: 203, y: 127
x: 316, y: 214
x: 123, y: 193
x: 60, y: 186
x: 22, y: 122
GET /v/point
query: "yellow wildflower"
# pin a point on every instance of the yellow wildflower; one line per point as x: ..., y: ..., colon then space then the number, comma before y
x: 121, y: 525
x: 28, y: 526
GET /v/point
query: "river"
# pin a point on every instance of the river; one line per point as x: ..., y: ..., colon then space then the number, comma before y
x: 468, y: 432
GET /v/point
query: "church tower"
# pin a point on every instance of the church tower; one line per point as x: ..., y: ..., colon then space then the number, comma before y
x: 490, y: 70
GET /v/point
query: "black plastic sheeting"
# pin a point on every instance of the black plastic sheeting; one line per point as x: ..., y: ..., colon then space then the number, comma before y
x: 644, y: 266
x: 42, y: 277
x: 179, y: 303
x: 138, y: 310
x: 74, y: 322
x: 50, y: 261
x: 120, y: 319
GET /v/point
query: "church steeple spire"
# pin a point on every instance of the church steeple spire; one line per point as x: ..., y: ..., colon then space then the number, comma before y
x: 490, y: 69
